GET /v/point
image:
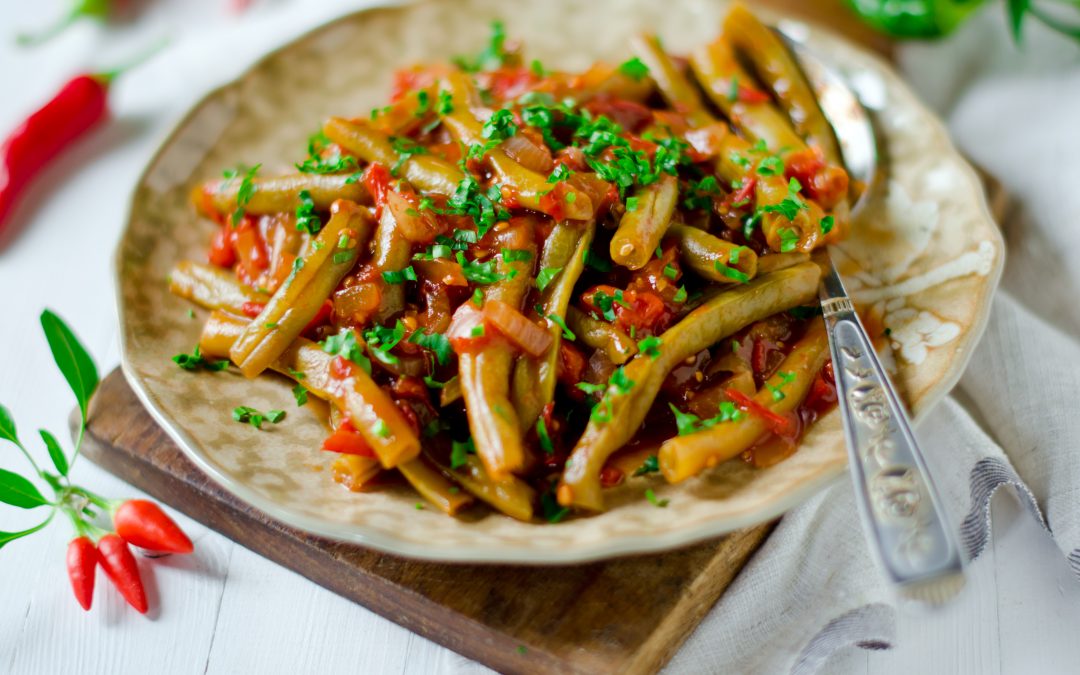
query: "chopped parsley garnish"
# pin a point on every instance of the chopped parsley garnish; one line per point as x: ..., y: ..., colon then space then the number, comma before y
x: 701, y: 193
x: 434, y: 252
x: 405, y: 148
x: 478, y: 298
x: 546, y: 276
x: 316, y: 162
x: 771, y: 166
x: 537, y: 68
x: 620, y: 381
x: 478, y: 272
x: 789, y: 239
x: 733, y: 257
x: 680, y: 295
x: 827, y: 224
x: 445, y: 104
x: 343, y: 257
x: 671, y: 272
x: 437, y: 343
x: 650, y: 346
x: 791, y: 204
x: 590, y: 388
x: 477, y: 331
x: 423, y: 103
x: 306, y: 220
x: 561, y: 172
x: 300, y: 393
x: 460, y: 451
x: 689, y: 423
x: 484, y: 206
x: 651, y: 497
x: 381, y: 429
x: 731, y: 272
x: 396, y: 277
x: 738, y: 160
x: 632, y: 203
x: 345, y: 345
x: 245, y: 192
x: 246, y: 415
x: 558, y: 321
x: 543, y: 436
x: 381, y: 339
x: 635, y: 69
x: 492, y: 57
x: 196, y: 361
x: 650, y: 465
x: 553, y: 512
x: 777, y: 389
x: 510, y: 255
x: 500, y: 126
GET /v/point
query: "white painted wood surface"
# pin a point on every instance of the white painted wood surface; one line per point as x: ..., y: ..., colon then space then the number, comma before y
x: 225, y: 609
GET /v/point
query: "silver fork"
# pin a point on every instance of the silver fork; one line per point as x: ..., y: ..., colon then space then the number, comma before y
x: 899, y: 506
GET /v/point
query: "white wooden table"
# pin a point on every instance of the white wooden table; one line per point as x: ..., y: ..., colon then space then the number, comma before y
x: 225, y: 609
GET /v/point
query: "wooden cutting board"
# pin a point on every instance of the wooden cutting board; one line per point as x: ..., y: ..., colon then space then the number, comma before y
x: 621, y: 616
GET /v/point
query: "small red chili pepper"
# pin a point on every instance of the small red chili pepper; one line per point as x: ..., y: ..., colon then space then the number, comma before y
x: 144, y: 524
x: 82, y: 560
x: 78, y: 107
x: 123, y: 571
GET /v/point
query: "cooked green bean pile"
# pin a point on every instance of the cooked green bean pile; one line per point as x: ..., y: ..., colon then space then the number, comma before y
x: 524, y: 286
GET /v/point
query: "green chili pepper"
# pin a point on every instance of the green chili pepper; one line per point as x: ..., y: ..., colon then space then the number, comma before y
x: 98, y: 10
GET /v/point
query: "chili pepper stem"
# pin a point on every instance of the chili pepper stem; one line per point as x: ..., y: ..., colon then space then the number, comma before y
x: 43, y: 36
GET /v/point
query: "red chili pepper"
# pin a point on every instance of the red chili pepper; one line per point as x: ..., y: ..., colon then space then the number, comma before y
x: 123, y: 571
x: 144, y: 524
x: 82, y: 560
x: 610, y: 476
x: 377, y: 180
x: 78, y: 107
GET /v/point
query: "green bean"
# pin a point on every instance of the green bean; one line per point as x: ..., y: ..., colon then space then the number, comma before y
x: 684, y: 456
x: 298, y: 300
x: 711, y: 257
x: 434, y: 486
x: 773, y: 63
x: 641, y: 229
x: 424, y: 172
x: 393, y: 253
x: 534, y: 379
x: 626, y: 406
x: 722, y: 78
x: 212, y: 287
x: 511, y: 495
x: 278, y: 194
x: 597, y: 334
x: 672, y: 83
x: 778, y: 261
x: 485, y: 376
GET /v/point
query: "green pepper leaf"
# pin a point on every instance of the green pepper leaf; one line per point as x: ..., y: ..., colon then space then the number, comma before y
x: 17, y: 491
x: 8, y: 537
x: 56, y: 453
x: 7, y: 427
x: 71, y: 358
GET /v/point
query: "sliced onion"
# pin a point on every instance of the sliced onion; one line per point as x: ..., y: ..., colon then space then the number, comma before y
x: 416, y: 226
x: 531, y: 338
x: 528, y: 154
x: 466, y: 318
x: 445, y: 272
x: 356, y: 304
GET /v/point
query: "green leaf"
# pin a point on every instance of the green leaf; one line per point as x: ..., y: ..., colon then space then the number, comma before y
x: 56, y: 453
x: 71, y: 358
x: 7, y: 427
x: 8, y: 537
x: 1017, y: 10
x: 17, y: 491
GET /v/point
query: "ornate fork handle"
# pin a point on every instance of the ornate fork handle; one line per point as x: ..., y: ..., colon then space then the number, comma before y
x: 896, y: 498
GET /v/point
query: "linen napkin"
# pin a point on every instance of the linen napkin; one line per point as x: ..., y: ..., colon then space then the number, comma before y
x: 812, y: 589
